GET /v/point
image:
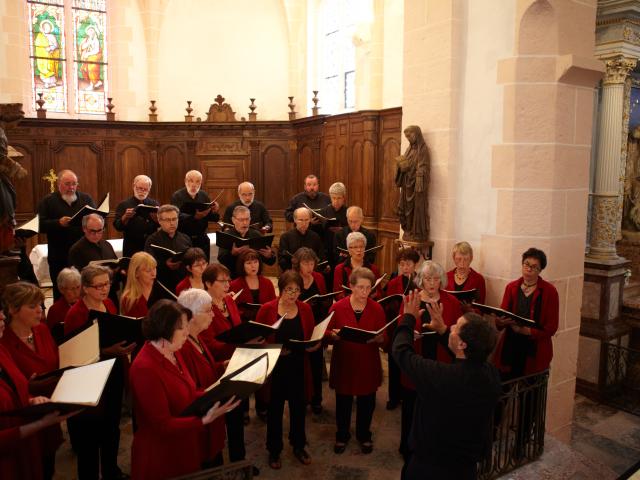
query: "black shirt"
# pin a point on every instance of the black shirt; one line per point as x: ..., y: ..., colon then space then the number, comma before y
x: 83, y: 251
x: 137, y: 229
x: 340, y: 240
x: 454, y: 405
x: 169, y: 278
x: 321, y: 200
x: 188, y: 223
x: 258, y: 211
x: 292, y: 240
x: 60, y: 239
x: 229, y: 260
x: 328, y: 235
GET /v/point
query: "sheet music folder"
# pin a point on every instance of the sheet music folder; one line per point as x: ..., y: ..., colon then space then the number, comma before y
x: 241, y: 383
x: 116, y: 328
x: 358, y: 335
x: 78, y: 388
x: 525, y: 322
x: 226, y: 240
x: 244, y: 332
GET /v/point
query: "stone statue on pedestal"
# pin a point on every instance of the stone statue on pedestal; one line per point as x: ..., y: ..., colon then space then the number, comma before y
x: 412, y: 177
x: 10, y: 114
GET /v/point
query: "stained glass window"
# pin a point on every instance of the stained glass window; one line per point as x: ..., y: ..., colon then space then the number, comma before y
x: 90, y: 54
x: 48, y: 76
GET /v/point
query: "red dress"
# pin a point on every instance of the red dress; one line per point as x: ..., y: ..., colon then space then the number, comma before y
x: 268, y: 314
x: 138, y: 309
x: 343, y: 272
x: 451, y: 311
x: 545, y: 311
x: 355, y: 368
x: 19, y: 458
x: 165, y: 445
x: 205, y: 371
x: 57, y: 312
x: 266, y: 294
x: 78, y: 315
x: 184, y: 284
x: 221, y: 351
x: 474, y: 280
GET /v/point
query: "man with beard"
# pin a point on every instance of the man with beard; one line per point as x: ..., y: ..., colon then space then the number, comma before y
x: 241, y: 220
x: 55, y: 212
x: 313, y: 198
x: 300, y: 236
x: 354, y: 220
x: 136, y: 224
x: 259, y: 213
x: 195, y: 225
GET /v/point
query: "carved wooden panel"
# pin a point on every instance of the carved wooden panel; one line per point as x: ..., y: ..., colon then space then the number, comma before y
x: 222, y: 173
x: 305, y: 167
x: 389, y: 196
x: 171, y: 168
x: 84, y: 160
x: 131, y: 162
x: 277, y: 176
x: 25, y: 201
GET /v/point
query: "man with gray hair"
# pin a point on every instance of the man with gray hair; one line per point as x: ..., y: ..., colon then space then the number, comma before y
x: 259, y: 213
x: 355, y: 217
x: 91, y: 246
x: 299, y: 236
x: 55, y: 212
x: 136, y: 223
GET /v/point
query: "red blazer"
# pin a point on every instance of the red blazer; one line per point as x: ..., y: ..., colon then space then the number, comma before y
x: 474, y: 280
x: 221, y: 351
x: 57, y: 312
x: 355, y: 367
x: 268, y: 314
x: 19, y: 458
x: 544, y: 310
x: 205, y: 371
x: 184, y: 284
x: 43, y: 360
x: 267, y: 293
x: 343, y: 271
x: 138, y: 309
x: 165, y: 445
x: 78, y: 315
x: 451, y: 311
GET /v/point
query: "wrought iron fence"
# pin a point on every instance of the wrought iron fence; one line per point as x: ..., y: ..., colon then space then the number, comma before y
x: 622, y: 385
x: 518, y: 425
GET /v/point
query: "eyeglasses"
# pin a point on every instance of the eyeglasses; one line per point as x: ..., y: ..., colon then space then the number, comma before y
x: 291, y: 291
x: 96, y: 231
x: 533, y: 268
x: 141, y: 189
x: 100, y: 286
x: 70, y: 184
x: 223, y: 280
x: 431, y: 279
x: 199, y: 264
x: 169, y: 220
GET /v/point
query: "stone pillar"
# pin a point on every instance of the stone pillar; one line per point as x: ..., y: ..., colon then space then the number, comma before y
x: 601, y: 319
x: 605, y: 217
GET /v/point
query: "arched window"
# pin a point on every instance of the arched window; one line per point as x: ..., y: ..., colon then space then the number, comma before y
x: 337, y: 55
x: 49, y: 29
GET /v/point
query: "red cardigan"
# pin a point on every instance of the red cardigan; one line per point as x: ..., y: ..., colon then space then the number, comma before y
x: 221, y: 351
x: 268, y: 314
x: 138, y: 309
x: 78, y: 315
x: 205, y: 371
x: 267, y: 293
x: 343, y: 270
x: 57, y: 312
x: 355, y: 367
x: 474, y: 280
x: 451, y: 311
x: 544, y: 310
x: 19, y: 458
x: 184, y: 284
x: 165, y: 445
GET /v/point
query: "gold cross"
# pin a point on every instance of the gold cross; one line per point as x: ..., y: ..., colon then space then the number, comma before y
x: 52, y: 178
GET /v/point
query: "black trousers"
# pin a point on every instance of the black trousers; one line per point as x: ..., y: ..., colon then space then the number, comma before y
x: 406, y: 415
x: 316, y: 359
x: 235, y: 434
x: 96, y: 434
x: 297, y: 412
x: 394, y: 386
x: 365, y: 405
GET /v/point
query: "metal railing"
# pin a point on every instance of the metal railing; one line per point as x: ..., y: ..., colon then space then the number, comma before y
x: 622, y: 384
x: 518, y: 426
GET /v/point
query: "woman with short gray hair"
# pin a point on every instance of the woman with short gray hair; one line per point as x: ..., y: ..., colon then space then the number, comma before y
x: 68, y: 282
x: 356, y: 245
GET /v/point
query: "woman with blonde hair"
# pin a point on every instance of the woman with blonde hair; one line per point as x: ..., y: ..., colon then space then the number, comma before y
x: 463, y: 277
x: 141, y: 277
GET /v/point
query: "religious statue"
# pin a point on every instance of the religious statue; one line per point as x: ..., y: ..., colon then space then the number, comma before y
x: 412, y: 176
x: 10, y: 114
x: 631, y: 209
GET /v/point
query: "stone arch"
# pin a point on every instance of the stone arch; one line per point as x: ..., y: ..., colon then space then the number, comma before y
x: 537, y: 31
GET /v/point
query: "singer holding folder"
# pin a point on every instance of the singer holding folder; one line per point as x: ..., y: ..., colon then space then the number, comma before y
x: 141, y: 277
x: 291, y: 377
x: 463, y: 277
x: 356, y: 244
x: 166, y: 445
x: 256, y: 288
x: 356, y: 369
x: 34, y: 352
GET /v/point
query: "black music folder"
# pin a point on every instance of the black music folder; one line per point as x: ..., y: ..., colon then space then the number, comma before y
x: 226, y: 240
x: 244, y: 332
x: 464, y: 296
x: 116, y: 328
x: 103, y: 210
x: 358, y: 335
x: 525, y: 322
x: 167, y: 253
x: 28, y: 229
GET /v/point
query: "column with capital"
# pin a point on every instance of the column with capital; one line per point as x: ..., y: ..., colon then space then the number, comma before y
x: 607, y: 200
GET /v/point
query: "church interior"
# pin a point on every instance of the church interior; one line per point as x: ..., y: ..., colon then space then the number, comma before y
x: 530, y: 110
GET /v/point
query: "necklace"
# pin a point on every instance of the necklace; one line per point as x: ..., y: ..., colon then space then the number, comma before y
x: 28, y: 339
x: 524, y: 285
x: 222, y: 306
x: 460, y: 278
x: 197, y: 342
